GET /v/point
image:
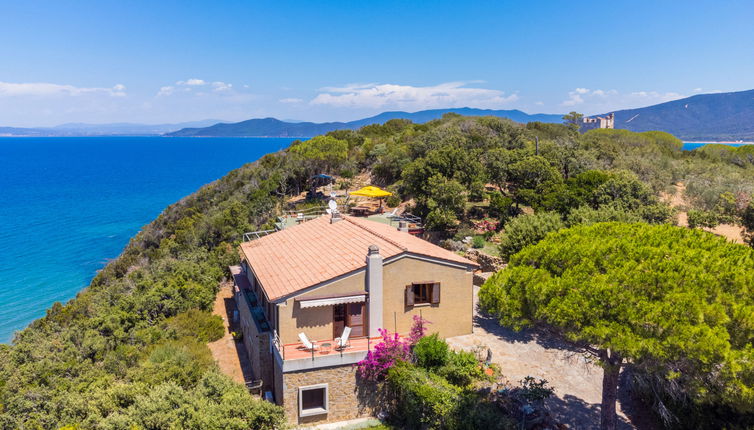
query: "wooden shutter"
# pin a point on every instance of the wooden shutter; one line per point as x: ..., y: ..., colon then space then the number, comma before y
x: 435, y: 293
x: 409, y: 295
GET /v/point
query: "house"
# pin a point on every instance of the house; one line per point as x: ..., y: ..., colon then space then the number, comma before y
x: 333, y: 272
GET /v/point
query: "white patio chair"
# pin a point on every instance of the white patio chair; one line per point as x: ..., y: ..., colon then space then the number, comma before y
x: 306, y: 342
x: 342, y: 341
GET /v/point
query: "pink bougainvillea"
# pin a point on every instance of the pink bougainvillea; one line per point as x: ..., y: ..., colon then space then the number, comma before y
x: 418, y: 329
x: 486, y: 226
x: 390, y: 350
x: 384, y: 355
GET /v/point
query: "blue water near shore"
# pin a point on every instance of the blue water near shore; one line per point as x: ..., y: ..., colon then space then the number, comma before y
x: 68, y: 205
x: 690, y: 146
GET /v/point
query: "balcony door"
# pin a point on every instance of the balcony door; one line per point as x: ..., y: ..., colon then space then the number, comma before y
x: 351, y: 315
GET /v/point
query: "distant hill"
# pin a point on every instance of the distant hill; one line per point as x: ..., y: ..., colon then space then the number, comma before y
x: 716, y: 117
x: 271, y: 127
x: 113, y: 129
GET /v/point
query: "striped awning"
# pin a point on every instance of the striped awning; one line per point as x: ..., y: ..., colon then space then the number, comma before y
x: 329, y: 301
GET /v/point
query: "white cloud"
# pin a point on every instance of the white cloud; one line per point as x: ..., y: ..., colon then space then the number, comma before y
x: 192, y: 82
x: 187, y: 85
x: 44, y: 89
x: 221, y: 86
x: 291, y: 100
x: 381, y: 96
x: 600, y: 101
x: 166, y: 91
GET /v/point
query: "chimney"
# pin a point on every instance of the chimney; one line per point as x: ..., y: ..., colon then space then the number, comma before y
x: 374, y: 287
x: 403, y: 226
x: 335, y: 217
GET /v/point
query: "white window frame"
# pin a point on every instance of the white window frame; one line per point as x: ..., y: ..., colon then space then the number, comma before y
x: 314, y: 411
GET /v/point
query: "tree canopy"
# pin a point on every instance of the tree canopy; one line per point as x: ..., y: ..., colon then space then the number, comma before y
x: 653, y: 296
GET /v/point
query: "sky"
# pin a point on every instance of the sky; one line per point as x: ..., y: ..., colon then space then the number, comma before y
x: 174, y: 61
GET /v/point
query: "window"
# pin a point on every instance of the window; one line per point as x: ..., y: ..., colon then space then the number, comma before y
x: 312, y: 400
x: 422, y: 293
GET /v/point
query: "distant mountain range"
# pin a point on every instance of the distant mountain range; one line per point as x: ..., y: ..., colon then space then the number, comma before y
x: 271, y: 127
x: 703, y: 117
x: 715, y: 117
x: 114, y: 129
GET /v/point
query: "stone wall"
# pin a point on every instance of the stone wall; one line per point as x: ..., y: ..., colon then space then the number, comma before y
x: 257, y: 344
x: 487, y: 263
x: 348, y: 399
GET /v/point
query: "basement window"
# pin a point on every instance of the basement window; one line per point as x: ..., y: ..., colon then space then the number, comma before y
x: 312, y: 400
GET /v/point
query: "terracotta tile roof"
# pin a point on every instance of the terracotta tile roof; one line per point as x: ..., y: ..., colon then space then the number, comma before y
x: 310, y: 253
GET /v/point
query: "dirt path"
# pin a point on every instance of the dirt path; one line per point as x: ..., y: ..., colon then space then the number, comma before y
x: 577, y: 382
x: 733, y: 233
x: 228, y: 353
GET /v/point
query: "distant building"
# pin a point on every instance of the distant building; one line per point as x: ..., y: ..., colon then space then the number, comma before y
x: 599, y: 122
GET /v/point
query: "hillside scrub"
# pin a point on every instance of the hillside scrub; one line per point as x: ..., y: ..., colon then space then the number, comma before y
x: 104, y: 355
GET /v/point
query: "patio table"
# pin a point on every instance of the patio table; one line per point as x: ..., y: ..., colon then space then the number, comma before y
x: 360, y: 210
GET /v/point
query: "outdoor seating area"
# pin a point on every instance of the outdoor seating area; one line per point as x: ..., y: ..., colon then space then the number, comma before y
x: 369, y: 207
x: 326, y: 347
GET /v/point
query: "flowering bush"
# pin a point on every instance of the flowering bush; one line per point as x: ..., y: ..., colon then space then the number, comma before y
x: 391, y: 350
x: 418, y: 329
x: 388, y: 352
x: 486, y: 226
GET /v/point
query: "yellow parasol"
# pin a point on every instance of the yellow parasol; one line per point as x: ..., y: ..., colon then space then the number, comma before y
x: 371, y: 191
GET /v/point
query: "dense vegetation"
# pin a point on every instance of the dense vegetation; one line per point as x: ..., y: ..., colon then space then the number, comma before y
x: 672, y: 302
x: 137, y: 335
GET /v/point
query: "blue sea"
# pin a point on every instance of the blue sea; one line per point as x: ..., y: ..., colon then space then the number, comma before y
x: 69, y: 205
x: 690, y: 146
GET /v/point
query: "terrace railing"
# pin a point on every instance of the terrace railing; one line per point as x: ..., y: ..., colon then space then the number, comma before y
x: 248, y: 237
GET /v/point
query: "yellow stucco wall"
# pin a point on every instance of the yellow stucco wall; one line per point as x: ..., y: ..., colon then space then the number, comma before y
x: 316, y: 322
x: 451, y: 317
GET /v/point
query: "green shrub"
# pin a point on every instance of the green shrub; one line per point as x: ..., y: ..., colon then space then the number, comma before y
x: 526, y: 230
x: 587, y: 215
x: 197, y: 324
x: 181, y: 361
x: 476, y: 191
x: 347, y: 173
x: 461, y: 369
x: 477, y: 413
x: 534, y: 390
x: 478, y: 242
x: 698, y: 219
x: 215, y: 402
x: 500, y: 206
x: 422, y: 399
x: 393, y: 200
x: 431, y: 351
x: 440, y: 219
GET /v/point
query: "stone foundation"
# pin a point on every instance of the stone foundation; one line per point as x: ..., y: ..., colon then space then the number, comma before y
x: 348, y: 399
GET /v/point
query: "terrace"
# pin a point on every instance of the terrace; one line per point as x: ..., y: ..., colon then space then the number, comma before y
x: 295, y: 217
x: 243, y: 287
x: 295, y: 356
